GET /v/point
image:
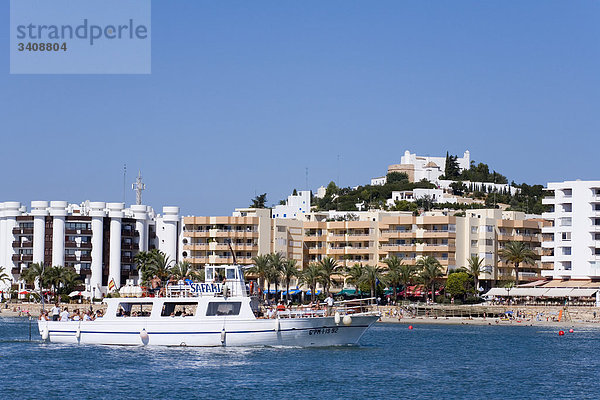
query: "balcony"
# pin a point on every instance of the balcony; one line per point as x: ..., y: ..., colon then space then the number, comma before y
x: 123, y: 259
x: 85, y: 258
x: 70, y: 257
x: 16, y: 271
x: 16, y: 231
x: 27, y: 257
x: 548, y: 200
x: 16, y: 257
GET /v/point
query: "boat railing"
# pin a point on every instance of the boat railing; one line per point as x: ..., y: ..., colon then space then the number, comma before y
x: 342, y: 307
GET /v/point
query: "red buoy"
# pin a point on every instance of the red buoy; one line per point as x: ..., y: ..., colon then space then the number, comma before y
x: 561, y: 333
x: 410, y: 327
x: 571, y: 330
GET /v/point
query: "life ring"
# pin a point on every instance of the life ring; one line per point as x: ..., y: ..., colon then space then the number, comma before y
x: 280, y: 307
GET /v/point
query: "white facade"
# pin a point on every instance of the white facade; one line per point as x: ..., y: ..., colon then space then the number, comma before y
x: 295, y: 206
x: 431, y: 168
x: 98, y: 240
x: 574, y: 238
x: 436, y: 195
x: 379, y: 181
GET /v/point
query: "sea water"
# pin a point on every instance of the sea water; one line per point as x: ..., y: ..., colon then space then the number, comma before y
x: 427, y: 362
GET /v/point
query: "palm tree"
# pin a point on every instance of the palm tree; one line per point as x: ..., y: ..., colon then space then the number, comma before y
x: 310, y: 276
x: 328, y: 266
x: 372, y: 275
x: 354, y: 276
x: 161, y: 265
x: 517, y: 253
x: 475, y: 264
x: 431, y: 270
x: 407, y: 276
x: 290, y: 270
x: 393, y: 275
x: 276, y: 261
x: 143, y: 261
x: 36, y: 272
x: 184, y: 270
x: 261, y: 269
x: 3, y: 276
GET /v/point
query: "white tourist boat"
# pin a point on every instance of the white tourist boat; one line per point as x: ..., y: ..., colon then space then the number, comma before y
x: 210, y: 314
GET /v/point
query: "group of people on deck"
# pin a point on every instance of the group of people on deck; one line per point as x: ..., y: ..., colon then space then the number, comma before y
x: 158, y: 290
x: 62, y: 314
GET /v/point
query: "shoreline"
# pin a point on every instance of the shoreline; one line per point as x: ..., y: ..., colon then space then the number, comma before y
x: 487, y: 322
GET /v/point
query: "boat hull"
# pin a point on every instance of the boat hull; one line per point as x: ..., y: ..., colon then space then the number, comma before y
x: 178, y: 331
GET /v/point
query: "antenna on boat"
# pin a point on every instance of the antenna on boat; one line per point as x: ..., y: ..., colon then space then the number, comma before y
x: 232, y: 253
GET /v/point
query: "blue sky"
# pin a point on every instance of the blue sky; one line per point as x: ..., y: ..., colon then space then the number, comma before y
x: 244, y: 96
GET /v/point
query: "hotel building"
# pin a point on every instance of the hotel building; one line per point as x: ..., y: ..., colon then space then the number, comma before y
x: 98, y: 240
x: 572, y: 240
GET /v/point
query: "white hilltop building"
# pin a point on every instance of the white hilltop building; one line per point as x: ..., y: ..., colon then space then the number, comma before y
x: 99, y: 240
x: 295, y: 206
x: 425, y: 167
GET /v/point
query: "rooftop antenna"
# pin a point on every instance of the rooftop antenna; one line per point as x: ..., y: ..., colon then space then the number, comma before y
x: 138, y: 186
x: 338, y: 171
x: 124, y: 180
x: 306, y: 178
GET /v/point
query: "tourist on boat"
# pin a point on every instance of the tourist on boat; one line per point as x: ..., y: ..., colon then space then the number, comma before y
x: 329, y: 303
x: 87, y: 316
x: 44, y: 315
x: 280, y: 307
x: 76, y: 316
x: 64, y: 315
x: 99, y: 314
x: 55, y: 312
x: 156, y: 285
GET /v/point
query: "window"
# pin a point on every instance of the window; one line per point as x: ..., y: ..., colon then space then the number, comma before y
x: 597, y: 252
x: 134, y: 309
x: 565, y: 221
x: 281, y: 229
x: 473, y: 229
x: 217, y: 308
x: 178, y: 309
x: 567, y: 207
x: 566, y: 236
x: 489, y: 242
x: 566, y: 251
x: 567, y: 192
x: 473, y: 243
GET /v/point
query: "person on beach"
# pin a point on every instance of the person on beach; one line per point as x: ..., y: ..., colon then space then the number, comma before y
x: 55, y: 312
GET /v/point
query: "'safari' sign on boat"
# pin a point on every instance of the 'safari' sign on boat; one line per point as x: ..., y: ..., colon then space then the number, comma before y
x: 206, y: 287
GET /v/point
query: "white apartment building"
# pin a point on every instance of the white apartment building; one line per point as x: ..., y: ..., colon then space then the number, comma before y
x: 295, y: 205
x: 573, y: 240
x: 98, y: 240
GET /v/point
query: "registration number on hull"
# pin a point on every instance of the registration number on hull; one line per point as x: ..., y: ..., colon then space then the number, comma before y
x: 322, y: 331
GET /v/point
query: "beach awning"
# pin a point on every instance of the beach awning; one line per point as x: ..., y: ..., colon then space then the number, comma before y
x: 346, y: 292
x: 308, y: 292
x: 527, y: 292
x: 497, y: 291
x: 558, y: 292
x: 292, y: 292
x: 583, y: 292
